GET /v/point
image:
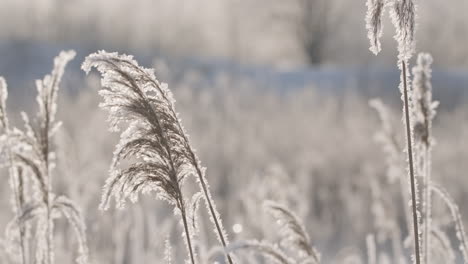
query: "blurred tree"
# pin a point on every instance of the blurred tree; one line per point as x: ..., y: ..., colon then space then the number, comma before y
x: 314, y: 28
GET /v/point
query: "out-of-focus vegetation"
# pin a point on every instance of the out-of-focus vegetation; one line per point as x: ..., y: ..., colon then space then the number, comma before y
x: 274, y: 95
x: 285, y: 34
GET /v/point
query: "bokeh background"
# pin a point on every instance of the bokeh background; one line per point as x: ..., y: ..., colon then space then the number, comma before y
x: 275, y: 97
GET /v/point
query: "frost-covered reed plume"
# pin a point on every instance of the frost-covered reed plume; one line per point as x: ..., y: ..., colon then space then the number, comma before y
x: 374, y: 23
x: 154, y: 136
x: 423, y: 112
x: 293, y: 233
x: 435, y: 244
x: 403, y: 13
x: 31, y: 152
x: 294, y: 239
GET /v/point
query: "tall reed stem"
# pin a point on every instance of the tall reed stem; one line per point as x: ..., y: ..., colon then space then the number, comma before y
x: 173, y: 175
x: 212, y: 210
x: 47, y: 193
x: 427, y: 205
x: 204, y: 187
x: 410, y: 163
x: 187, y: 234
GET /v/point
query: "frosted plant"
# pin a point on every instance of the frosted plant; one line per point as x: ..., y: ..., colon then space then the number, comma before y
x: 388, y: 139
x: 67, y: 208
x: 294, y: 239
x: 155, y: 134
x: 293, y: 233
x: 403, y: 17
x: 424, y: 108
x: 386, y: 223
x: 459, y: 228
x: 31, y: 150
x: 16, y: 176
x: 404, y: 22
x: 441, y: 245
x: 375, y: 10
x: 3, y: 98
x: 403, y: 14
x: 194, y: 204
x: 423, y: 113
x: 154, y: 137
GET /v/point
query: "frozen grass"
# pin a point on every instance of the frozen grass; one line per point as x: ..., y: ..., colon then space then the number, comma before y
x: 264, y: 151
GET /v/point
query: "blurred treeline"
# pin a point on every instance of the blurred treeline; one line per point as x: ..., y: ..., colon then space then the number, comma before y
x: 293, y: 33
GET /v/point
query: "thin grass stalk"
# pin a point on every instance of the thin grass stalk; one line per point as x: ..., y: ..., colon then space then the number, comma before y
x: 216, y: 219
x: 427, y: 205
x: 187, y: 234
x: 20, y: 201
x: 14, y: 172
x: 293, y: 233
x: 30, y: 149
x: 15, y: 177
x: 45, y: 134
x: 408, y: 215
x: 49, y: 230
x: 212, y: 207
x: 387, y: 137
x: 133, y: 96
x: 403, y: 14
x: 409, y: 146
x: 456, y: 216
x: 443, y: 244
x: 180, y: 199
x: 16, y: 182
x: 423, y: 113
